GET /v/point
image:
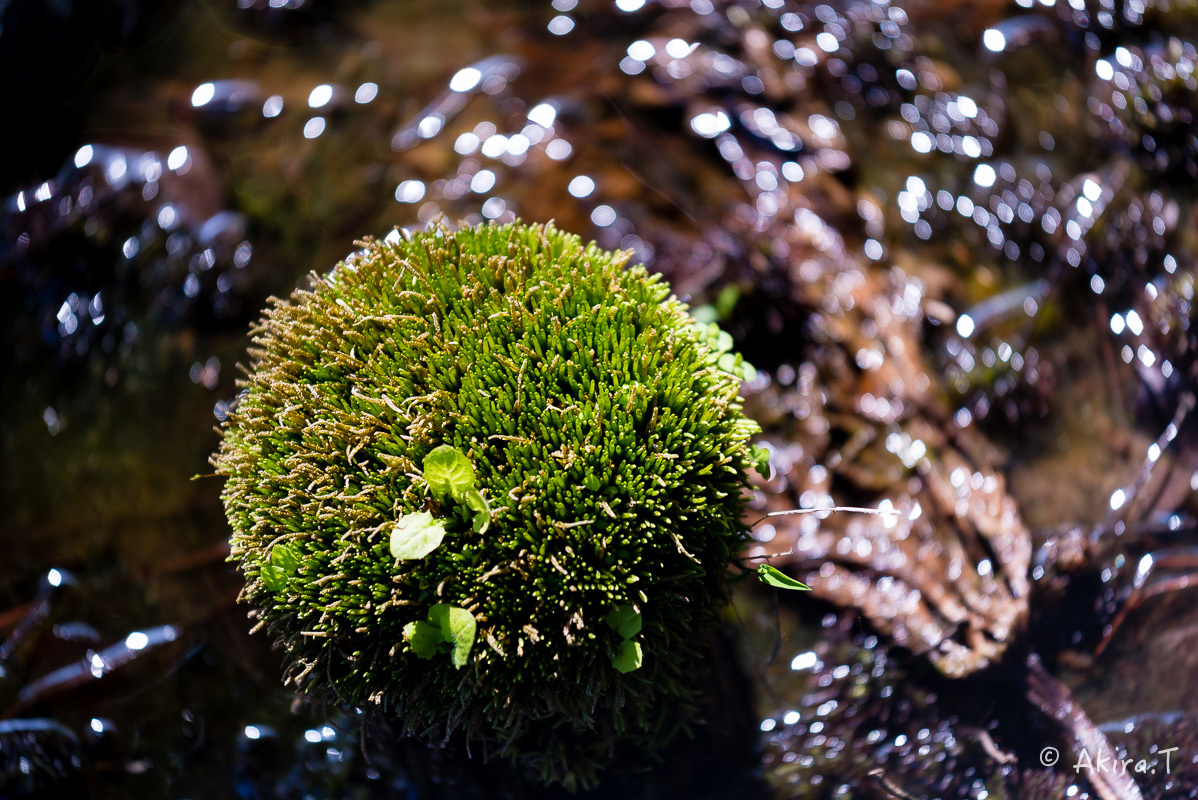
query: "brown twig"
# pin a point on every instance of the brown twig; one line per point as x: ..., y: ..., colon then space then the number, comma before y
x: 879, y: 776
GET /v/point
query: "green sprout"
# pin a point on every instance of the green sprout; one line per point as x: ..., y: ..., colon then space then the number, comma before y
x: 277, y: 571
x: 775, y: 577
x: 627, y: 622
x: 416, y: 535
x: 772, y: 576
x: 448, y: 629
x: 489, y: 482
x: 448, y: 472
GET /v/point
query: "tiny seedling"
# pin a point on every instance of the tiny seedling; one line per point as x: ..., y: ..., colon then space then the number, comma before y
x: 449, y: 629
x: 284, y: 561
x: 773, y: 576
x: 416, y: 535
x: 449, y: 473
x: 626, y: 621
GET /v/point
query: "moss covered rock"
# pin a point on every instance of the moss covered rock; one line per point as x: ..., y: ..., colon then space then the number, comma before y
x: 489, y: 481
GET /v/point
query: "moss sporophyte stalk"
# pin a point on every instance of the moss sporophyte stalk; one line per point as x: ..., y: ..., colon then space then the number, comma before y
x: 489, y: 482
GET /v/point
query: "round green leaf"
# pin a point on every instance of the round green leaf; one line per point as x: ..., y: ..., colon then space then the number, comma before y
x: 284, y: 561
x: 423, y: 638
x: 629, y: 657
x: 457, y: 627
x: 448, y: 472
x: 761, y: 460
x: 625, y: 621
x: 416, y: 535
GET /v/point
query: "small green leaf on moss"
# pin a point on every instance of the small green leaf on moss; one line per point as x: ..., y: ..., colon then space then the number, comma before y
x: 625, y: 621
x: 457, y: 626
x: 726, y: 300
x: 629, y: 657
x: 482, y: 512
x: 775, y: 577
x: 416, y: 535
x: 761, y: 460
x: 448, y: 472
x: 284, y: 561
x: 423, y: 638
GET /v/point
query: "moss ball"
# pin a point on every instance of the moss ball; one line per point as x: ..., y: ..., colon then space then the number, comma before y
x: 489, y: 481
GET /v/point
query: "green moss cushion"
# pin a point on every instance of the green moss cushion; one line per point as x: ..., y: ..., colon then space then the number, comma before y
x: 606, y: 441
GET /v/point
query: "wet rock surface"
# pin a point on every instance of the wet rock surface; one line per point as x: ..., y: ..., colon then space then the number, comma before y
x: 955, y: 239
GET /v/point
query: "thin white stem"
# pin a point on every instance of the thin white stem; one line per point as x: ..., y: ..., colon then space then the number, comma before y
x: 878, y: 512
x: 768, y: 555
